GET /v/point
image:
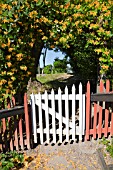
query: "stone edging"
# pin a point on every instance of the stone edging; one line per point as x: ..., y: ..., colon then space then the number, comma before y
x: 102, y: 161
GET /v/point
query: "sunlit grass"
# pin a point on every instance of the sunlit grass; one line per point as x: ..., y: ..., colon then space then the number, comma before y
x: 45, y: 78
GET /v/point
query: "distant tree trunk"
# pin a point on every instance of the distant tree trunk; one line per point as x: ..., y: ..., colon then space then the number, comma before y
x: 44, y: 57
x: 39, y: 68
x: 35, y: 53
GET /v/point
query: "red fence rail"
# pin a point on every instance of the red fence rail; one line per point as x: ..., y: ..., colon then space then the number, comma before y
x: 14, y: 127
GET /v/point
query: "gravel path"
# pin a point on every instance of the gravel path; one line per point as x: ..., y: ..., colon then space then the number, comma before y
x: 78, y: 156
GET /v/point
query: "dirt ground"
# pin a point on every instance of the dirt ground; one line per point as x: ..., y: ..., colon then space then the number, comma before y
x: 78, y: 156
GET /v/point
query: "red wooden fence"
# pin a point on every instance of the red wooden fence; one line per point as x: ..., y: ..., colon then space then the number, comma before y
x: 99, y: 122
x: 15, y: 129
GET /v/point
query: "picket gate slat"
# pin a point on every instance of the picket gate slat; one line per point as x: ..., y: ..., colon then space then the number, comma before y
x: 67, y: 113
x: 53, y: 116
x: 40, y: 119
x: 83, y: 120
x: 60, y: 114
x: 34, y: 117
x: 47, y: 116
x: 73, y: 112
x: 80, y: 112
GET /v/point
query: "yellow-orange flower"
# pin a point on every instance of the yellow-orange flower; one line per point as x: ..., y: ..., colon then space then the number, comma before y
x: 31, y: 44
x: 98, y: 50
x: 3, y: 81
x: 111, y: 59
x: 8, y: 44
x: 107, y: 32
x: 101, y: 30
x: 76, y: 23
x: 16, y: 16
x: 101, y: 59
x: 78, y: 6
x: 52, y: 46
x: 10, y: 73
x: 28, y: 72
x: 9, y: 7
x: 32, y: 14
x: 23, y: 68
x: 5, y: 32
x: 104, y: 8
x: 13, y: 78
x: 107, y: 13
x: 4, y: 6
x: 5, y: 21
x: 106, y: 53
x: 8, y: 57
x: 44, y: 38
x: 3, y: 45
x: 93, y: 13
x: 9, y: 64
x: 14, y: 2
x: 10, y: 49
x: 19, y: 55
x: 79, y: 30
x: 3, y: 72
x: 93, y: 26
x: 105, y: 67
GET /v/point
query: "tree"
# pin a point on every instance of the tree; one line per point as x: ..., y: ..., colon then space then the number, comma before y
x: 24, y: 29
x: 44, y: 56
x: 87, y: 34
x: 83, y: 27
x: 60, y: 66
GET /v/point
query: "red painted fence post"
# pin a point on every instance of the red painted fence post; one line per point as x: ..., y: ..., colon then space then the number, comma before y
x: 111, y: 131
x: 88, y: 111
x: 100, y: 111
x: 106, y: 110
x: 9, y: 119
x: 27, y: 121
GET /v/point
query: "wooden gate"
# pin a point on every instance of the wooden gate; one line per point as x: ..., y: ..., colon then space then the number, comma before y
x: 55, y: 115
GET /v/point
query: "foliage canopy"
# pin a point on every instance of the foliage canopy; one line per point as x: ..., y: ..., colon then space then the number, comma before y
x: 81, y: 28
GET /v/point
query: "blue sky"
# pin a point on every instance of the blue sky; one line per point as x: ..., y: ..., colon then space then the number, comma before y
x: 50, y: 56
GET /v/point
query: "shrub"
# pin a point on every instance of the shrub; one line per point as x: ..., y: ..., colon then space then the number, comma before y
x: 109, y: 146
x: 11, y: 160
x: 47, y: 69
x: 60, y: 66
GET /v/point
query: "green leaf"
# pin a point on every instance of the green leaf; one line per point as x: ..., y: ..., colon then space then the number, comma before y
x: 4, y: 26
x: 4, y: 163
x: 10, y: 14
x: 10, y: 165
x: 4, y: 14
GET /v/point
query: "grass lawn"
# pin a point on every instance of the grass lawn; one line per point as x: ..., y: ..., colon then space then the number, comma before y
x: 46, y: 78
x: 55, y: 81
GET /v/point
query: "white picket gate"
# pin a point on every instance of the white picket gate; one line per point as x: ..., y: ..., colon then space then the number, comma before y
x: 66, y: 127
